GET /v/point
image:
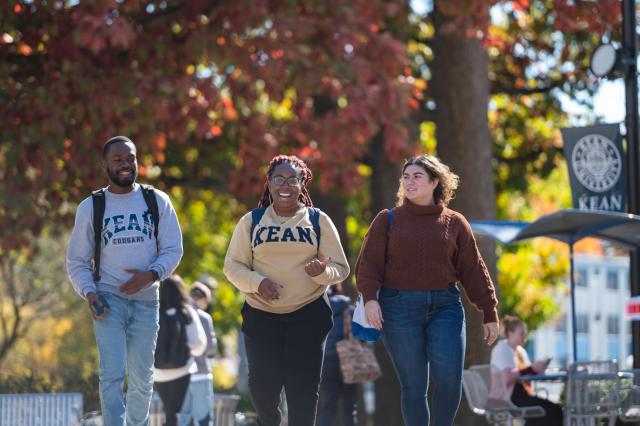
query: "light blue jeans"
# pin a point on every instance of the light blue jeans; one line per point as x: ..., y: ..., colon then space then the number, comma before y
x: 197, y: 404
x: 424, y: 333
x: 126, y: 340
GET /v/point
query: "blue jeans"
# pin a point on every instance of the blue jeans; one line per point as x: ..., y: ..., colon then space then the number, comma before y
x: 424, y: 332
x: 126, y: 340
x: 197, y: 403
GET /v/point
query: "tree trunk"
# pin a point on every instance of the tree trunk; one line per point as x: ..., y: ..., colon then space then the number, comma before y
x: 461, y: 91
x: 334, y: 205
x: 385, y: 176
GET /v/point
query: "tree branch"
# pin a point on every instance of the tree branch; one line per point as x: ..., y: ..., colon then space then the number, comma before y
x: 498, y: 88
x: 200, y: 183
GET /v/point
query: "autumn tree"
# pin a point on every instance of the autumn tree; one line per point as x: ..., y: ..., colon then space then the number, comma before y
x: 207, y: 90
x: 211, y: 90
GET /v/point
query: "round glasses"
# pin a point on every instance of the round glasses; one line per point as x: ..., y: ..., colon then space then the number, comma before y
x: 281, y: 180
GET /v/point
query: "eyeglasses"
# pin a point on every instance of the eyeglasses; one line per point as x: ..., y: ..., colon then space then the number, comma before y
x: 281, y: 180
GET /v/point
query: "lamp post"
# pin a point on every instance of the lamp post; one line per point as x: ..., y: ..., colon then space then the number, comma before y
x: 609, y: 62
x: 629, y: 60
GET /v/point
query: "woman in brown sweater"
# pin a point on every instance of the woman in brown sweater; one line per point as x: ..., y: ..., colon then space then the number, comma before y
x: 413, y: 262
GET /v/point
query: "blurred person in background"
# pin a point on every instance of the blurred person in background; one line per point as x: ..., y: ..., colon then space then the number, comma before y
x: 198, y: 403
x: 181, y: 339
x: 511, y: 358
x: 333, y: 391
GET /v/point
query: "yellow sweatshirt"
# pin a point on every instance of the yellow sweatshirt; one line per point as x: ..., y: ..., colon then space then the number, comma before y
x: 278, y: 249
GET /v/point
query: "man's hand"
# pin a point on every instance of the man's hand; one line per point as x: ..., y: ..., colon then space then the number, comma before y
x: 269, y: 290
x: 137, y: 282
x: 316, y: 267
x: 96, y: 304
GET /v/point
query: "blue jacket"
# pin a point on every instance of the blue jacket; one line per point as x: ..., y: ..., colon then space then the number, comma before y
x: 338, y: 305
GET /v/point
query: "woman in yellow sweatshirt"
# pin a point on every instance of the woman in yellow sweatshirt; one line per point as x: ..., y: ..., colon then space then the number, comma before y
x: 283, y: 256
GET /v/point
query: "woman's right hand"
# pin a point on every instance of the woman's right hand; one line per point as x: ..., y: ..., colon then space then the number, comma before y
x: 269, y: 290
x: 373, y: 314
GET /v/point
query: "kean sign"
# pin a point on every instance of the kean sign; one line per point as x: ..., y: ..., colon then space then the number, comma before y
x: 597, y: 167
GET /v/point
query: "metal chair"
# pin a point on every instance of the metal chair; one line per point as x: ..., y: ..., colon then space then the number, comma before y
x: 592, y: 393
x: 488, y: 396
x: 630, y: 397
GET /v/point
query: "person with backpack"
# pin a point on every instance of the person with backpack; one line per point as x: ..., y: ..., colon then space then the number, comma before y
x: 414, y: 261
x: 197, y: 405
x: 333, y: 391
x: 282, y: 256
x: 181, y: 338
x: 125, y: 239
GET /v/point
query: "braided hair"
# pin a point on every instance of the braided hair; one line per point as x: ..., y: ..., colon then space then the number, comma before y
x: 306, y: 177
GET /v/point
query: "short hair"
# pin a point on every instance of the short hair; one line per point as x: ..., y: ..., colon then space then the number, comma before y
x: 114, y: 140
x: 510, y: 324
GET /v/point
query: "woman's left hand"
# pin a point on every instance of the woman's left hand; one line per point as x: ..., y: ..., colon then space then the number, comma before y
x: 490, y: 332
x: 316, y: 267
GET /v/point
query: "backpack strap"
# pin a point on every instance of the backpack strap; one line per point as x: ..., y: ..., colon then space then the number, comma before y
x: 346, y: 323
x: 149, y: 194
x: 98, y: 199
x: 390, y: 216
x: 314, y: 217
x: 256, y: 215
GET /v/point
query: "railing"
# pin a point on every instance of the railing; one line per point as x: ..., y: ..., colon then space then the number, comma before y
x: 40, y: 409
x: 65, y: 409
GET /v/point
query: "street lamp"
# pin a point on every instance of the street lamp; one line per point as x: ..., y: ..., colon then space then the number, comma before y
x: 607, y: 61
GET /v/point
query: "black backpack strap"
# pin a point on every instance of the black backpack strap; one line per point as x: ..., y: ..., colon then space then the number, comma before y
x: 314, y: 217
x: 98, y: 199
x: 149, y: 194
x: 256, y: 215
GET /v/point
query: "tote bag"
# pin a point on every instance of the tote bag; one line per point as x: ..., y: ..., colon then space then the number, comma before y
x: 360, y: 327
x: 358, y: 362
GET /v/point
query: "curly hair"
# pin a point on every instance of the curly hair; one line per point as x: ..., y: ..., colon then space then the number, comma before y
x: 436, y: 169
x: 306, y: 176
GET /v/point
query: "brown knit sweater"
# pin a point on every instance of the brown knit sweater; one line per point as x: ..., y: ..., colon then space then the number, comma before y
x: 426, y: 248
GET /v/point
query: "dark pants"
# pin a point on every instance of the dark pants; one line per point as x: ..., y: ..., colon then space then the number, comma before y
x: 286, y: 350
x: 553, y: 416
x: 172, y: 395
x: 332, y: 391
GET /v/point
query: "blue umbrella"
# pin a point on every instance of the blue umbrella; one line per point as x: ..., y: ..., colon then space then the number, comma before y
x: 568, y: 226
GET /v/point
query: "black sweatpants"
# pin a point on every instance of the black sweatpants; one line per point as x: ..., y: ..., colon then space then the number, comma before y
x: 286, y: 350
x: 553, y: 416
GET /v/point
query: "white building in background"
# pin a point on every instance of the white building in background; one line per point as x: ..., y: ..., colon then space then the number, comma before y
x: 602, y: 287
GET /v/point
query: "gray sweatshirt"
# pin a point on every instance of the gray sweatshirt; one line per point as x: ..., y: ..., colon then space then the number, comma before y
x: 202, y: 361
x: 127, y: 243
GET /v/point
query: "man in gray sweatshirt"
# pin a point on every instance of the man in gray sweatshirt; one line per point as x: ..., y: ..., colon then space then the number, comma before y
x: 123, y: 301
